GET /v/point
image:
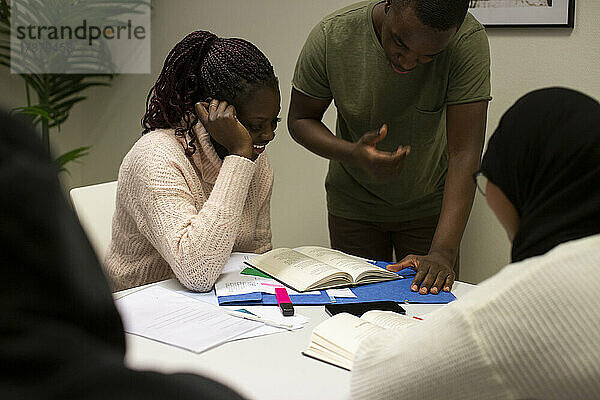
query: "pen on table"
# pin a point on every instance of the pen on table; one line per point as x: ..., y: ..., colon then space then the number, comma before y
x: 254, y: 317
x: 285, y: 304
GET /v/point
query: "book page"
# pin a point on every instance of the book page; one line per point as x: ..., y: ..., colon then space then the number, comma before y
x: 343, y: 333
x: 296, y: 269
x: 388, y: 319
x: 353, y: 265
x: 336, y: 340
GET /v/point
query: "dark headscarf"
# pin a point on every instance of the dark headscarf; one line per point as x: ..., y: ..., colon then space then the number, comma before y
x: 60, y: 334
x: 545, y: 157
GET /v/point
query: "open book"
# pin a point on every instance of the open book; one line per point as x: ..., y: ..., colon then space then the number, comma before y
x: 313, y: 268
x: 336, y: 339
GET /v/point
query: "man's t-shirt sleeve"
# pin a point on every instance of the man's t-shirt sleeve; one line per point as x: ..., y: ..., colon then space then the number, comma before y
x: 470, y: 70
x: 310, y: 75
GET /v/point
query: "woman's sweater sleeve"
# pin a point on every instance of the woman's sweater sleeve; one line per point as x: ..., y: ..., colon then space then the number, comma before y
x: 530, y: 331
x: 195, y: 242
x: 262, y: 235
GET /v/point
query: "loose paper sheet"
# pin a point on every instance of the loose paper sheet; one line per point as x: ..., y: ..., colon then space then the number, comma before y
x: 208, y: 297
x: 236, y: 262
x: 252, y: 284
x: 270, y: 313
x: 170, y: 317
x: 340, y: 293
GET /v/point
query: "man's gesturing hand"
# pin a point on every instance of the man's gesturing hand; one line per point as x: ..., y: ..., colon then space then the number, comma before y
x: 378, y: 163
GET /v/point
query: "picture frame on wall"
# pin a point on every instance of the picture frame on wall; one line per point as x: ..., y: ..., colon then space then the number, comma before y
x: 524, y: 13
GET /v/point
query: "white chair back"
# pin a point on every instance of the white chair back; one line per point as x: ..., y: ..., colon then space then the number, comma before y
x: 94, y: 206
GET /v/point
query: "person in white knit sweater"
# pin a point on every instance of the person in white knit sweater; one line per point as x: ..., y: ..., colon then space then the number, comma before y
x: 196, y: 186
x: 532, y: 331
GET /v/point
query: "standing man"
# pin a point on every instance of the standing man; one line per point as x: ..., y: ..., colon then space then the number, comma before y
x: 411, y: 83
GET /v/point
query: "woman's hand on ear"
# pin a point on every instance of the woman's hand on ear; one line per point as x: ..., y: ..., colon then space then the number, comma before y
x: 220, y: 121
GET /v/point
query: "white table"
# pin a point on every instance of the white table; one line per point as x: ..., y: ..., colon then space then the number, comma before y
x: 267, y: 367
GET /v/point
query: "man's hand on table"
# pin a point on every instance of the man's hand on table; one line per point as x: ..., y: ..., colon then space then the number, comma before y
x: 434, y: 272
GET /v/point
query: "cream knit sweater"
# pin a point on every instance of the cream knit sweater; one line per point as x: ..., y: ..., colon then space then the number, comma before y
x: 532, y: 331
x: 182, y: 217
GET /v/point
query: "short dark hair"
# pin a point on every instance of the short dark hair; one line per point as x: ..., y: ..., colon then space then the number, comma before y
x: 202, y: 66
x: 441, y: 15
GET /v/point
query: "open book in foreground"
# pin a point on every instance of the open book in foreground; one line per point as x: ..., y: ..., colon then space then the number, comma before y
x: 336, y: 339
x: 314, y: 268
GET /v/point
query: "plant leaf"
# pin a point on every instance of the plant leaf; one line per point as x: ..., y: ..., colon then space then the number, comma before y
x: 35, y: 111
x: 70, y: 156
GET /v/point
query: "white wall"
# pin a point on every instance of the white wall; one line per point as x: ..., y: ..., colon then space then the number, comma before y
x: 109, y: 121
x: 524, y: 60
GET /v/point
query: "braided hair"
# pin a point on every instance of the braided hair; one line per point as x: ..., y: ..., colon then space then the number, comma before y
x: 202, y: 66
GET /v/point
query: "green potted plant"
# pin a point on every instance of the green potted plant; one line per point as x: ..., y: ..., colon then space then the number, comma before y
x: 55, y: 94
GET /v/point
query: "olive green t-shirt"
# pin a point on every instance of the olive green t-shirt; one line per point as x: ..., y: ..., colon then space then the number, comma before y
x: 343, y: 59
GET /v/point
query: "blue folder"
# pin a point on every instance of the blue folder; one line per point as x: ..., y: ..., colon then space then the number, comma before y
x: 397, y: 290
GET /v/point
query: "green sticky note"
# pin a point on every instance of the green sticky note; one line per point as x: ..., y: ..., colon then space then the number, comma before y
x: 254, y: 271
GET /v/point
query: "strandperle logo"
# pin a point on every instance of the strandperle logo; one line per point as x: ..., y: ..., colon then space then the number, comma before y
x: 80, y: 36
x: 82, y: 32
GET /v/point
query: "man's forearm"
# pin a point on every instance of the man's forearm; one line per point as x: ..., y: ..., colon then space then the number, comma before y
x: 459, y: 192
x: 317, y: 138
x: 466, y: 132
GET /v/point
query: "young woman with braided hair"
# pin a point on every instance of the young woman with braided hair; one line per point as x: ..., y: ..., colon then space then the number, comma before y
x: 196, y: 186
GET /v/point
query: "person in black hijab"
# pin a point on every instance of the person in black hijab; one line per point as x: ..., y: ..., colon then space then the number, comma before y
x: 531, y: 331
x: 545, y: 158
x: 60, y: 334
